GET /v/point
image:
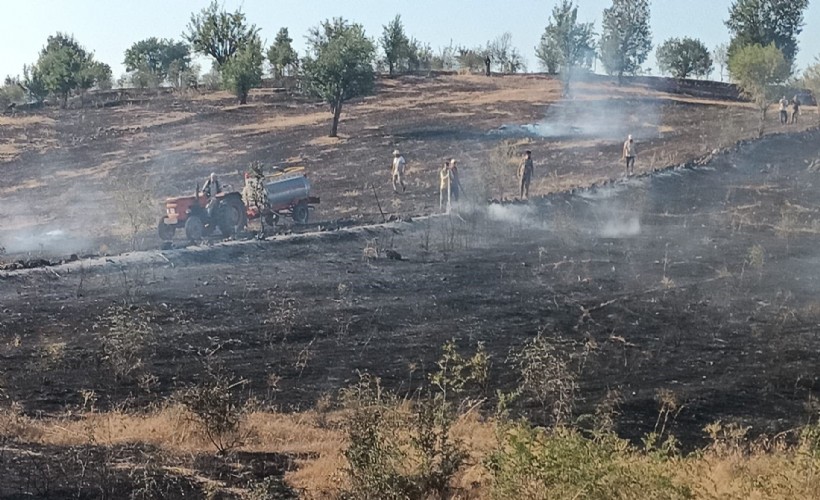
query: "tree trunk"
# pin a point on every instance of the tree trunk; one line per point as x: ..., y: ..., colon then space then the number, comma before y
x: 390, y: 67
x: 762, y: 127
x: 65, y: 100
x: 337, y: 112
x: 243, y: 98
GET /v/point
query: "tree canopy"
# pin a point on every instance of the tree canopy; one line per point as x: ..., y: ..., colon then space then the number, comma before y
x: 243, y: 71
x: 684, y: 57
x: 395, y: 44
x: 757, y: 69
x: 764, y: 22
x: 626, y: 39
x: 339, y: 65
x: 566, y: 43
x: 158, y: 56
x: 64, y: 66
x: 811, y: 80
x: 281, y: 55
x: 218, y: 33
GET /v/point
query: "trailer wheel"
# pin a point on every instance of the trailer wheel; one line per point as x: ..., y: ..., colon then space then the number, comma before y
x: 194, y: 228
x: 301, y: 213
x: 165, y: 231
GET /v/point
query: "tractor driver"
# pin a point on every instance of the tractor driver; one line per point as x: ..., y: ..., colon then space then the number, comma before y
x: 212, y: 186
x: 210, y: 189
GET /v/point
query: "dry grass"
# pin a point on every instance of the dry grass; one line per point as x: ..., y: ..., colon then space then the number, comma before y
x: 280, y: 122
x: 726, y: 469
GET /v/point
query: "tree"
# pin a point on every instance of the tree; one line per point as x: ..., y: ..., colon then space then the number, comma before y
x: 33, y: 84
x: 506, y: 58
x: 339, y: 66
x: 158, y: 57
x: 684, y: 57
x: 567, y: 41
x: 548, y: 55
x: 395, y: 44
x: 757, y: 69
x: 64, y: 65
x: 243, y: 71
x: 219, y: 34
x: 281, y: 55
x: 764, y: 22
x: 720, y: 55
x: 811, y: 80
x: 420, y: 56
x: 626, y: 39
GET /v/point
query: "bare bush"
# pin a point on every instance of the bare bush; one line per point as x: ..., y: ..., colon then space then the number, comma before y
x: 546, y: 375
x: 135, y: 204
x: 216, y: 409
x: 125, y: 338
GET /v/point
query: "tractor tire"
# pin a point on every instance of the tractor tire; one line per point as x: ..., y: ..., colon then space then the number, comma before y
x: 231, y: 217
x: 194, y: 228
x: 301, y: 213
x: 165, y: 231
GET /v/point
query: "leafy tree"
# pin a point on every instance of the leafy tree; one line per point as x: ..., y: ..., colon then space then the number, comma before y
x: 566, y: 40
x: 811, y: 80
x: 158, y: 56
x: 395, y: 44
x: 281, y: 55
x: 243, y: 71
x: 684, y: 57
x: 720, y: 55
x: 757, y: 69
x: 33, y: 84
x: 471, y: 60
x: 506, y: 58
x: 219, y: 34
x: 64, y: 66
x: 548, y: 55
x: 339, y: 66
x: 626, y: 39
x: 764, y: 22
x: 420, y: 56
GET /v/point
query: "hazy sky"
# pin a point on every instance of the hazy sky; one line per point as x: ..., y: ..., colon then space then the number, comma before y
x: 108, y: 27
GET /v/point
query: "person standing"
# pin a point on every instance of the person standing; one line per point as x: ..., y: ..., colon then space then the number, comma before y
x: 525, y: 172
x: 795, y: 109
x: 444, y: 187
x: 487, y: 63
x: 455, y: 182
x: 784, y: 111
x: 399, y: 166
x: 629, y: 155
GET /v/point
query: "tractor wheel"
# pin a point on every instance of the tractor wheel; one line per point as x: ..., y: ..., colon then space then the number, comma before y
x: 232, y: 216
x: 166, y: 231
x: 194, y: 228
x: 301, y: 213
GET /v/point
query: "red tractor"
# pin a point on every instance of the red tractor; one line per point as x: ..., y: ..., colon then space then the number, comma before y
x: 201, y: 216
x: 286, y: 192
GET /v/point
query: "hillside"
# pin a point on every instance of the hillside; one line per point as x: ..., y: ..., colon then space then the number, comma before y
x: 66, y: 171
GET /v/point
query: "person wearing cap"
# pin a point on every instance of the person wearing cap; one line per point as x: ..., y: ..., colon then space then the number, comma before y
x: 525, y: 171
x: 629, y: 155
x: 398, y: 171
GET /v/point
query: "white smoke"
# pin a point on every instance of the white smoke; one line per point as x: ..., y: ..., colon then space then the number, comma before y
x: 620, y: 228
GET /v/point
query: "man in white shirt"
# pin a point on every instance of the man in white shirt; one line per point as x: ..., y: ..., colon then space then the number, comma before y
x: 629, y: 155
x: 784, y: 111
x: 398, y: 171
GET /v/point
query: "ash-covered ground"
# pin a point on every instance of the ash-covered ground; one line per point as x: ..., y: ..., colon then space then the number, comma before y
x: 700, y: 283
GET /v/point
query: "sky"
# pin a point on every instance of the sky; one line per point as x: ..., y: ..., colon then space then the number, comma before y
x: 109, y: 27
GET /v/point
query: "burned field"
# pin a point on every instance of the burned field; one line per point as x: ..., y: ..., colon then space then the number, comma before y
x: 696, y: 284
